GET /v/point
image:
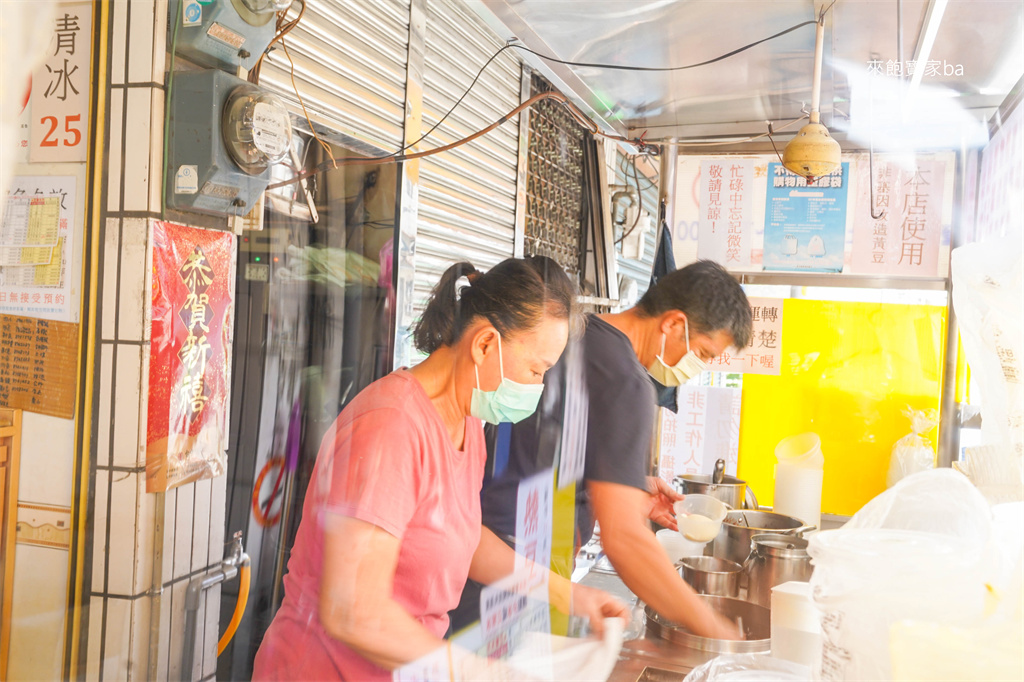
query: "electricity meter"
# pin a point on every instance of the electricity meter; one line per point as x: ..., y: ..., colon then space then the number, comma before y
x: 224, y: 34
x: 256, y: 127
x: 225, y: 134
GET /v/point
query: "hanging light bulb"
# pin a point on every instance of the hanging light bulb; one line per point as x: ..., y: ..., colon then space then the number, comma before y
x: 813, y: 153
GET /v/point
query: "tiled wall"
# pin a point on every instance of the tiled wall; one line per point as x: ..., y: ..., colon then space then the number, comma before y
x: 182, y: 529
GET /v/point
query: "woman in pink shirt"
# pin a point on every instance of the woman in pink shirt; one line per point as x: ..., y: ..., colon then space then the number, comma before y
x: 390, y: 526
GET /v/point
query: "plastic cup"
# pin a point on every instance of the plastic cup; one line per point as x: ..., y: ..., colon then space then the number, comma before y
x: 700, y: 517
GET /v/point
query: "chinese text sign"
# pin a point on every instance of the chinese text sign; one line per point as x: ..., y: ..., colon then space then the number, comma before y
x: 190, y: 354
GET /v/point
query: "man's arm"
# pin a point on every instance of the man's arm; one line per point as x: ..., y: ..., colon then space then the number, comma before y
x: 631, y: 546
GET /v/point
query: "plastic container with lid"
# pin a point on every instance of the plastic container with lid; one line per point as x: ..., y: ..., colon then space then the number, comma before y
x: 799, y: 475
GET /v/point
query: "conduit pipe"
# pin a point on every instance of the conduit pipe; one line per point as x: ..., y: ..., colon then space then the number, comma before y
x: 236, y: 561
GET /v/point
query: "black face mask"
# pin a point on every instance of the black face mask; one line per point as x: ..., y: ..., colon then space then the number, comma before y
x: 665, y: 396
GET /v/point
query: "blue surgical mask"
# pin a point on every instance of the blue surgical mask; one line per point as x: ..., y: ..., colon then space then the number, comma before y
x: 510, y: 402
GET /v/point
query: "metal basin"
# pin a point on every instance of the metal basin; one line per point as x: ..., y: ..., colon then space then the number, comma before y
x: 756, y: 629
x: 708, y: 575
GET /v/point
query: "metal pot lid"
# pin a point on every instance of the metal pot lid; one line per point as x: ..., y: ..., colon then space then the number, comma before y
x: 778, y: 544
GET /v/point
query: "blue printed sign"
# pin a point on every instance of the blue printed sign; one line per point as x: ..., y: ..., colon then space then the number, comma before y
x: 805, y: 224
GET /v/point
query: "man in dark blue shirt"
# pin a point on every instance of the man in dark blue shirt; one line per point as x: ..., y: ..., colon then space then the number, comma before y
x: 688, y: 318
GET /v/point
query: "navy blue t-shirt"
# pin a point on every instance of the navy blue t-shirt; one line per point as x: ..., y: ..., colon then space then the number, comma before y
x: 620, y: 419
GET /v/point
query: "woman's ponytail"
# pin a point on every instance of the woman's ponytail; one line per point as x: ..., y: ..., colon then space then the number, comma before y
x: 514, y: 296
x: 441, y: 324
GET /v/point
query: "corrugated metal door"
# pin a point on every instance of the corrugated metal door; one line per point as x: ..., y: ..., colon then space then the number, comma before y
x: 350, y: 64
x: 467, y: 196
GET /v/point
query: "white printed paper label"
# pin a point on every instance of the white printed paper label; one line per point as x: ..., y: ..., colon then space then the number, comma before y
x: 186, y: 180
x: 270, y: 129
x: 226, y: 35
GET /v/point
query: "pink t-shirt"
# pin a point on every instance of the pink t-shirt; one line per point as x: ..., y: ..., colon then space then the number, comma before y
x: 388, y: 461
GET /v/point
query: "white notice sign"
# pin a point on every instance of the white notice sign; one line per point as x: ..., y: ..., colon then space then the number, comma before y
x: 726, y: 211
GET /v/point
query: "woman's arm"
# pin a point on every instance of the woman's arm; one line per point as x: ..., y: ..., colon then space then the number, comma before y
x: 356, y: 607
x: 494, y: 560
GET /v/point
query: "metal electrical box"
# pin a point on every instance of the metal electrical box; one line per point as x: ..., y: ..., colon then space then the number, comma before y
x: 224, y: 34
x: 225, y: 133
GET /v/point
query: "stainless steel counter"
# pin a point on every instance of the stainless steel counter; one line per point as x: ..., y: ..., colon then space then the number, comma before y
x: 665, y: 661
x: 649, y: 658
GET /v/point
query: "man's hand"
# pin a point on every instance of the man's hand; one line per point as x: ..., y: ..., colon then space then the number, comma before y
x: 596, y: 605
x: 662, y: 498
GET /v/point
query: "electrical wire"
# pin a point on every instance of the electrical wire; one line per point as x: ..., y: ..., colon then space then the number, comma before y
x: 283, y: 27
x: 670, y: 143
x: 639, y: 204
x: 167, y: 115
x: 661, y: 69
x: 327, y: 147
x: 395, y: 158
x: 581, y: 118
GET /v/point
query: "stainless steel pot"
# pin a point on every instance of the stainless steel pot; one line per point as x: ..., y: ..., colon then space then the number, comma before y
x: 739, y: 528
x: 756, y: 630
x: 708, y: 575
x: 775, y: 559
x: 733, y: 491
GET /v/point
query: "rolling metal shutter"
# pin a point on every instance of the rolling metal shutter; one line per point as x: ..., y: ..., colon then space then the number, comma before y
x: 350, y: 66
x: 467, y: 196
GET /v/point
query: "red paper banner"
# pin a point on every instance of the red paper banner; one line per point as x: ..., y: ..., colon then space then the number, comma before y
x: 190, y: 354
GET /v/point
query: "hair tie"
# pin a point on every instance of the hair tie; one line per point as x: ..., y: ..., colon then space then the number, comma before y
x: 460, y: 284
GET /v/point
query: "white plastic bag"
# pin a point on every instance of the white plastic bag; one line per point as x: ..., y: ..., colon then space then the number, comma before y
x: 913, y: 452
x: 918, y: 551
x: 749, y: 668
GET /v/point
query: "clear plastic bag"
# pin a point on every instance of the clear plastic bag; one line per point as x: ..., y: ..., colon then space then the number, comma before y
x: 749, y: 668
x: 913, y: 452
x: 919, y: 551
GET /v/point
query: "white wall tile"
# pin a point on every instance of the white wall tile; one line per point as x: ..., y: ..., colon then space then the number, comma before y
x: 106, y: 404
x: 47, y: 463
x: 123, y: 527
x: 114, y: 158
x: 143, y: 406
x: 37, y: 613
x: 183, y: 530
x: 118, y: 47
x: 116, y: 644
x: 170, y: 518
x: 139, y: 663
x: 159, y: 40
x: 132, y: 290
x: 92, y: 661
x: 144, y: 537
x: 210, y: 626
x: 111, y: 253
x: 99, y: 537
x: 138, y: 126
x: 164, y: 644
x: 201, y: 521
x: 177, y: 629
x: 218, y: 512
x: 128, y: 361
x: 156, y: 153
x: 140, y: 43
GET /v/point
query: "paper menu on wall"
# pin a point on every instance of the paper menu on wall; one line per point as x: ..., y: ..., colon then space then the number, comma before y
x: 37, y: 237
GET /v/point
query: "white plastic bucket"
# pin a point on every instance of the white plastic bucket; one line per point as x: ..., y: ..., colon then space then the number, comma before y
x: 799, y: 476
